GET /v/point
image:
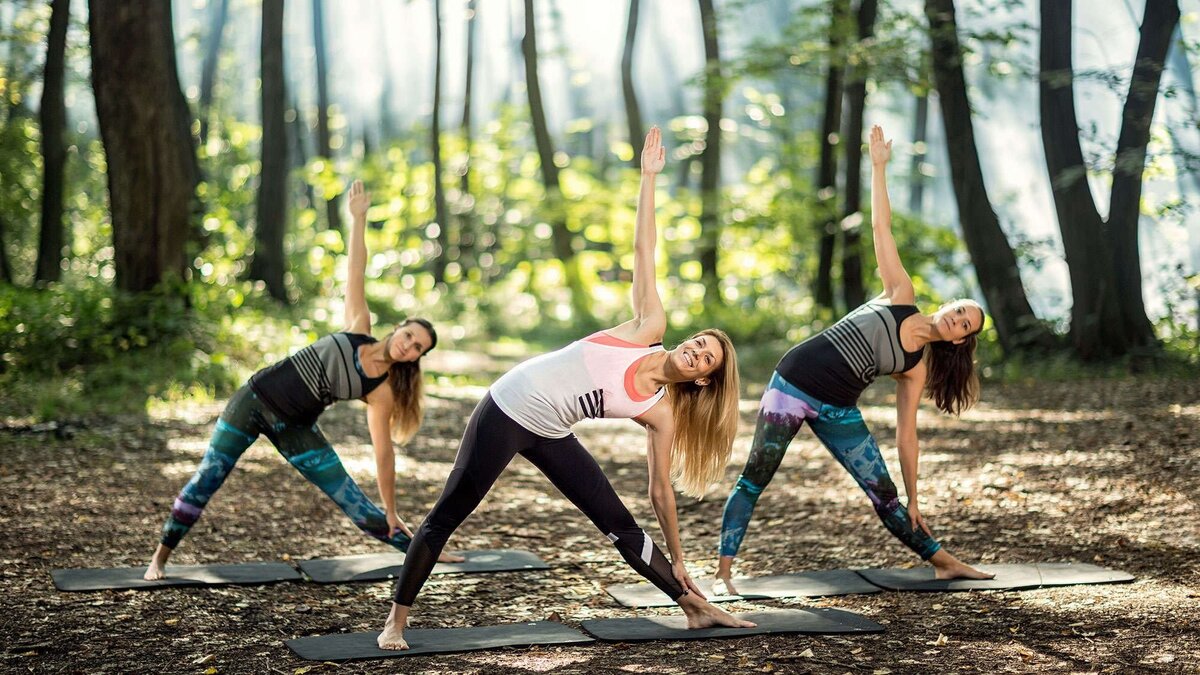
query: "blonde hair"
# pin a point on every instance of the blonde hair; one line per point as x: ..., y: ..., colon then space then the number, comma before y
x: 706, y: 420
x: 408, y: 398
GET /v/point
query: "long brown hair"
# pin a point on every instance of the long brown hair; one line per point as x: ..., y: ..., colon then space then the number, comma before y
x: 950, y: 377
x: 706, y: 420
x: 408, y: 398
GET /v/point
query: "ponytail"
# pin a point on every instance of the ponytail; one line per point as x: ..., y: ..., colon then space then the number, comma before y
x: 408, y: 399
x: 951, y: 380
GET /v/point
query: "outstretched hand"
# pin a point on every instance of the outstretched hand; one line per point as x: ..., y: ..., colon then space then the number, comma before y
x: 360, y: 200
x: 916, y: 520
x: 653, y: 153
x: 881, y: 151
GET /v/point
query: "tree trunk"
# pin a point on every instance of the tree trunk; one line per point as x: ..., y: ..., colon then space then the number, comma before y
x: 994, y: 261
x: 443, y: 254
x: 562, y: 238
x: 208, y: 70
x: 5, y: 268
x: 53, y: 120
x: 916, y: 186
x: 1101, y: 327
x: 269, y: 262
x: 633, y: 112
x: 1158, y: 24
x: 466, y: 210
x: 332, y: 204
x: 144, y: 124
x: 298, y: 155
x: 831, y: 122
x: 1178, y: 62
x: 710, y: 158
x: 854, y: 292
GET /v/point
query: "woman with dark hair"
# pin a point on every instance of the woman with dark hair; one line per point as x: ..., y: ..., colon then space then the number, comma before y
x: 686, y: 399
x: 284, y: 400
x: 819, y: 381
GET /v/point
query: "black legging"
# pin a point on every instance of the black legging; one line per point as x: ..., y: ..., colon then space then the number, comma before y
x: 491, y: 440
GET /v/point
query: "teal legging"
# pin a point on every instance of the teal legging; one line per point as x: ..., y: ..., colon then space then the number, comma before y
x: 784, y: 409
x: 243, y: 420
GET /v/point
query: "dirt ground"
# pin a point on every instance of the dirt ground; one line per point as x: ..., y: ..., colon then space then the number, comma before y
x: 1098, y: 471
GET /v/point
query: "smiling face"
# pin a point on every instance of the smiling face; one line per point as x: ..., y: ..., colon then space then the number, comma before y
x: 409, y: 342
x: 958, y: 319
x: 698, y: 357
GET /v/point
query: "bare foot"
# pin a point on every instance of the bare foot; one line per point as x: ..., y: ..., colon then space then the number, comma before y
x: 702, y: 614
x: 450, y: 558
x: 158, y: 563
x: 392, y: 636
x: 946, y: 566
x: 724, y: 582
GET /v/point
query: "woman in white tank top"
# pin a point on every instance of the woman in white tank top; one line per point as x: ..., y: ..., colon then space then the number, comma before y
x: 686, y: 398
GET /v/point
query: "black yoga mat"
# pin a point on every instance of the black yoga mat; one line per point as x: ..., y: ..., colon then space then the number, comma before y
x: 1008, y: 577
x: 346, y: 646
x: 800, y: 585
x: 383, y: 566
x: 177, y: 575
x: 819, y: 621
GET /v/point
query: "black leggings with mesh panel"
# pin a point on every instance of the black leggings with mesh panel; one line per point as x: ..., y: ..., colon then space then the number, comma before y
x: 490, y: 442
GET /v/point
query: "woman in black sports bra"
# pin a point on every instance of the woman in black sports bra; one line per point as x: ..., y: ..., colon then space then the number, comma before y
x: 820, y: 380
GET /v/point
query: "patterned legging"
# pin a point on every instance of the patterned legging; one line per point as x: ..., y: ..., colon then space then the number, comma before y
x: 783, y: 410
x: 304, y: 447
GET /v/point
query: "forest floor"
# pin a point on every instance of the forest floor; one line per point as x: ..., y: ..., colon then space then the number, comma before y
x: 1096, y: 471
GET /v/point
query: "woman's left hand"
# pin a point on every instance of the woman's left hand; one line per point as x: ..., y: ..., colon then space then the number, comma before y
x: 360, y: 200
x: 915, y: 519
x: 396, y: 525
x: 881, y: 151
x: 681, y: 575
x: 653, y: 153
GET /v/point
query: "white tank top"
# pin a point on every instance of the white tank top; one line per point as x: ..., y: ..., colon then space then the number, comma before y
x: 592, y: 377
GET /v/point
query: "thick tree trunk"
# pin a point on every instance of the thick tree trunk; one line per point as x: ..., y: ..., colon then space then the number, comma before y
x: 854, y: 293
x: 53, y: 120
x: 1178, y: 61
x: 442, y: 257
x: 916, y: 185
x: 269, y: 262
x: 466, y: 210
x: 324, y: 149
x: 831, y: 122
x: 633, y: 111
x: 994, y: 261
x: 562, y: 238
x: 144, y: 124
x: 208, y: 69
x: 5, y: 268
x: 1158, y: 24
x: 710, y: 158
x: 1101, y: 326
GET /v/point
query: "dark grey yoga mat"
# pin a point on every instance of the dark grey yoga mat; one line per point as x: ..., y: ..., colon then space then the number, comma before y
x: 800, y: 585
x: 346, y: 646
x: 1009, y: 577
x: 817, y: 621
x: 177, y: 575
x: 383, y: 566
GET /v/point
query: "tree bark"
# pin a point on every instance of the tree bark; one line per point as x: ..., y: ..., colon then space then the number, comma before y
x: 466, y: 210
x: 710, y: 158
x: 916, y: 186
x: 144, y: 125
x: 831, y: 122
x: 1158, y: 24
x: 443, y: 254
x: 1106, y: 321
x: 562, y: 238
x: 324, y: 149
x: 208, y: 70
x: 5, y: 267
x: 53, y: 121
x: 994, y: 261
x: 854, y: 292
x: 269, y: 262
x: 633, y: 111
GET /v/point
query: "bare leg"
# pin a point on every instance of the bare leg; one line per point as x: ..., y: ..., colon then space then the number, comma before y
x: 702, y: 614
x: 157, y: 564
x: 947, y: 566
x: 392, y: 636
x: 725, y: 577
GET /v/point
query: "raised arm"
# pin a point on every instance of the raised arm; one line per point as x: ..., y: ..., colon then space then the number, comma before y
x: 358, y: 316
x: 660, y: 435
x: 897, y: 286
x: 649, y: 319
